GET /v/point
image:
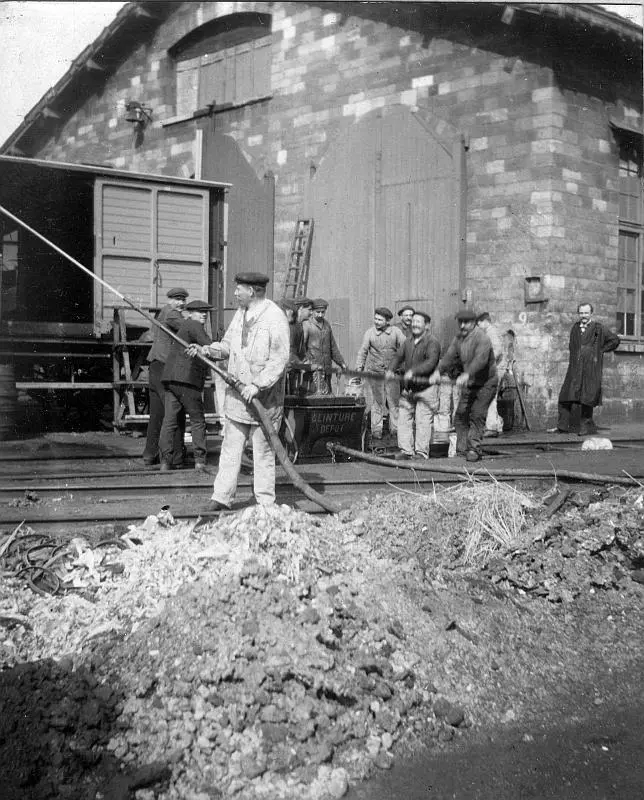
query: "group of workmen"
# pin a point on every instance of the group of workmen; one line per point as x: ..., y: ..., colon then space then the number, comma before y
x: 271, y: 348
x: 405, y: 378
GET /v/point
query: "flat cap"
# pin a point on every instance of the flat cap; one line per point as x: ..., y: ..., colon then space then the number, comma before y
x: 383, y: 311
x: 320, y: 302
x: 177, y: 291
x: 303, y: 302
x: 402, y: 310
x: 465, y: 314
x: 424, y: 315
x: 252, y: 278
x: 198, y: 305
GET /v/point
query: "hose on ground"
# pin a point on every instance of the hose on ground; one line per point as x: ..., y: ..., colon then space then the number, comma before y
x: 484, y: 473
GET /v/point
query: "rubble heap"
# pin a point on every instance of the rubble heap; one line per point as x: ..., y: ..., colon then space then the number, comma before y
x: 273, y: 654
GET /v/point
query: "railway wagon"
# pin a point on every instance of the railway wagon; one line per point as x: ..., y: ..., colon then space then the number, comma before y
x: 140, y: 233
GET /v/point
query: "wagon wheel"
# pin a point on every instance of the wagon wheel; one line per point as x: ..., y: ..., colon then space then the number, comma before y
x: 287, y: 437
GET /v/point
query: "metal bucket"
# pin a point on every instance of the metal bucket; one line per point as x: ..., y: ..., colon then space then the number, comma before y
x: 8, y: 402
x: 439, y: 445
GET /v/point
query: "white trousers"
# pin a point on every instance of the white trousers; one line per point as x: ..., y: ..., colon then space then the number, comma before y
x: 416, y: 419
x: 232, y: 448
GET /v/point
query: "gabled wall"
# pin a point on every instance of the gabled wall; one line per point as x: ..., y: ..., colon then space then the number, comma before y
x: 533, y: 101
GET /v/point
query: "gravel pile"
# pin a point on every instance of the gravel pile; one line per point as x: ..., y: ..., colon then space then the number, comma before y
x: 255, y: 657
x: 271, y: 654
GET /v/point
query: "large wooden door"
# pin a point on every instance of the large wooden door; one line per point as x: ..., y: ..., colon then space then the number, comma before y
x: 386, y: 200
x: 251, y: 214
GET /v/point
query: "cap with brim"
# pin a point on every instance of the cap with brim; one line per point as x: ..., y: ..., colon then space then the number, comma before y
x: 303, y: 302
x: 402, y: 310
x: 320, y: 302
x: 178, y: 291
x: 252, y: 278
x: 198, y: 305
x: 424, y: 315
x: 383, y: 311
x: 287, y: 304
x: 465, y: 315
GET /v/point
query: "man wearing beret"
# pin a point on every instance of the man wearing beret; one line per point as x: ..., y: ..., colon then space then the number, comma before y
x: 416, y: 361
x: 170, y: 316
x: 257, y: 347
x: 296, y: 311
x: 184, y: 378
x: 405, y: 313
x: 379, y: 345
x: 471, y: 356
x: 321, y: 348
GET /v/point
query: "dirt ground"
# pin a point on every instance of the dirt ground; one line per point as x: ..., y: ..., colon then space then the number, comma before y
x: 476, y: 642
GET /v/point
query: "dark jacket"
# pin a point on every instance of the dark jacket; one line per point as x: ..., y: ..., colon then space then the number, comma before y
x: 171, y: 318
x: 180, y: 368
x: 583, y: 381
x: 298, y: 350
x: 472, y: 354
x: 420, y: 357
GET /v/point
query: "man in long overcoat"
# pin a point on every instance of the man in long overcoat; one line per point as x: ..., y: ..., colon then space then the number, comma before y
x: 582, y: 386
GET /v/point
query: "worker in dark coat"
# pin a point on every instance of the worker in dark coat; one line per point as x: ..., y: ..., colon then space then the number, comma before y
x: 184, y: 378
x: 321, y: 348
x: 582, y: 386
x: 415, y: 361
x: 170, y: 316
x: 472, y: 355
x: 297, y: 311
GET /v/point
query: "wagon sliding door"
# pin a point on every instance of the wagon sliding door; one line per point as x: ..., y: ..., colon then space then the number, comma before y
x: 149, y: 238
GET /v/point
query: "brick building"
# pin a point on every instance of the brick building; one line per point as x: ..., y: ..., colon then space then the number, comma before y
x: 449, y: 153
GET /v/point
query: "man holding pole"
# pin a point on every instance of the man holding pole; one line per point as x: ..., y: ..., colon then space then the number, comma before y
x: 183, y: 379
x: 170, y: 316
x: 470, y: 355
x: 257, y: 346
x: 416, y: 360
x: 379, y: 345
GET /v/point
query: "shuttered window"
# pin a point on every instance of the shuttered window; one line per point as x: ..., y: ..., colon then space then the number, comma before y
x: 226, y: 64
x: 630, y: 257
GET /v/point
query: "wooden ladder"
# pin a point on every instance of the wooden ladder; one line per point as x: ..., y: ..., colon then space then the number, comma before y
x: 297, y: 270
x: 126, y: 367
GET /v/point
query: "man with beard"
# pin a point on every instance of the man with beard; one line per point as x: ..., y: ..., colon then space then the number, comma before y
x: 257, y: 347
x: 379, y: 345
x: 416, y: 360
x: 471, y: 356
x: 582, y: 386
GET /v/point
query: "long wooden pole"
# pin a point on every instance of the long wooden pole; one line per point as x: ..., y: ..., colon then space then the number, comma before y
x: 260, y: 411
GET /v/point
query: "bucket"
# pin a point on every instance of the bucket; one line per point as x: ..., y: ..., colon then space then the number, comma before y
x: 439, y: 445
x: 8, y: 402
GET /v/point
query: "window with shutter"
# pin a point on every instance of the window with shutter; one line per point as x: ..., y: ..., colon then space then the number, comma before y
x: 226, y: 61
x: 630, y: 256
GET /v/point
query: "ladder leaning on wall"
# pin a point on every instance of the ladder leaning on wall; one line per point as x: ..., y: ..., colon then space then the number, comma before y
x: 297, y: 269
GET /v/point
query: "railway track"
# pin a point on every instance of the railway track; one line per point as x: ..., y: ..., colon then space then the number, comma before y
x: 70, y: 495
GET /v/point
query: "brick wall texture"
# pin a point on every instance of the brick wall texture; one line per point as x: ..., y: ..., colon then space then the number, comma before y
x: 542, y: 163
